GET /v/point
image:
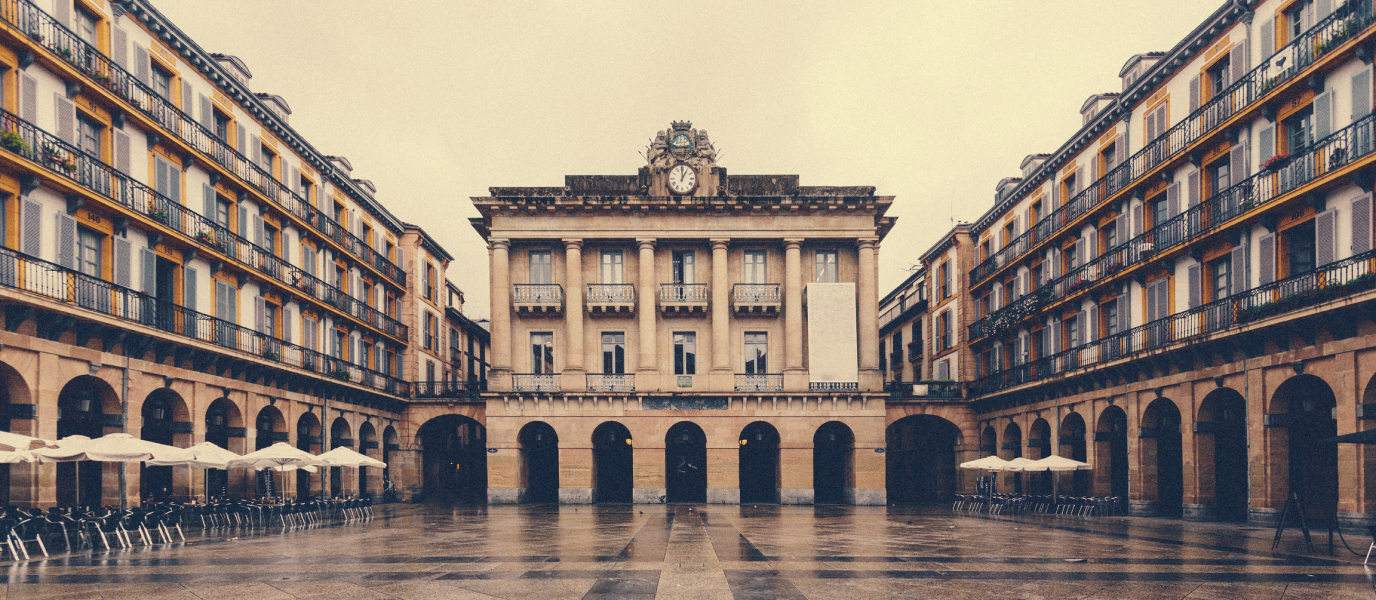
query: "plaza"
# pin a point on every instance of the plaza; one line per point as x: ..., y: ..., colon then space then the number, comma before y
x: 709, y: 552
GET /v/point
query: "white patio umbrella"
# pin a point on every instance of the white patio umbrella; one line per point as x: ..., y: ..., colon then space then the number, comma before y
x: 1057, y: 463
x: 988, y: 463
x: 344, y: 456
x: 205, y: 455
x: 116, y: 447
x: 15, y: 441
x: 277, y: 457
x: 22, y: 456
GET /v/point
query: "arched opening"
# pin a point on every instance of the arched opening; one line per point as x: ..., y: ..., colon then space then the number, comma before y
x: 1221, y: 442
x: 222, y: 422
x: 758, y: 461
x: 920, y: 460
x: 13, y: 390
x: 1010, y: 449
x: 340, y: 436
x: 540, y: 461
x: 1039, y: 447
x: 1111, y: 451
x: 269, y: 428
x: 165, y: 421
x: 83, y: 406
x: 1313, y: 466
x: 1074, y: 447
x: 685, y: 463
x: 307, y: 439
x: 367, y: 446
x: 453, y: 459
x: 988, y: 446
x: 833, y: 464
x: 1163, y: 480
x: 613, y: 463
x: 390, y: 444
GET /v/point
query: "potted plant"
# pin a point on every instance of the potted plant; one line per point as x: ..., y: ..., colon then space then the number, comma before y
x: 1337, y: 157
x: 11, y: 141
x: 35, y: 36
x: 1275, y: 162
x: 272, y: 356
x: 69, y: 166
x: 158, y: 213
x: 340, y: 373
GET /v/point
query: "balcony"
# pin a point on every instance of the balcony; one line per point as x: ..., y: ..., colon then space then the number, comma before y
x: 896, y: 360
x: 759, y: 382
x: 447, y: 389
x: 535, y: 382
x: 914, y: 351
x: 1333, y: 281
x: 611, y: 299
x: 833, y: 386
x: 104, y: 76
x: 1011, y: 315
x: 27, y: 275
x: 611, y: 382
x: 682, y: 299
x: 756, y: 299
x: 1287, y: 64
x: 936, y: 390
x: 537, y: 299
x: 56, y: 156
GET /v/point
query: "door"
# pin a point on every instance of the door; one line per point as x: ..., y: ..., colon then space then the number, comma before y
x: 685, y: 460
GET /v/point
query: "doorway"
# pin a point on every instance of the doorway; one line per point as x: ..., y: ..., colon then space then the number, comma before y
x: 685, y: 460
x: 759, y: 463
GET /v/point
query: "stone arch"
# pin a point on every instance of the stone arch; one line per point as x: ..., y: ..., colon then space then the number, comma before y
x: 685, y: 463
x: 988, y: 441
x: 613, y: 463
x: 1010, y: 449
x: 1074, y: 445
x: 391, y: 443
x: 1161, y: 463
x: 758, y: 464
x: 1299, y: 463
x: 833, y: 464
x: 14, y: 390
x: 920, y: 460
x: 88, y: 406
x: 1038, y: 447
x: 539, y: 462
x: 165, y: 419
x: 308, y: 438
x: 1111, y: 453
x: 453, y: 459
x: 269, y: 427
x: 341, y: 435
x: 1220, y: 445
x: 368, y: 446
x: 224, y: 427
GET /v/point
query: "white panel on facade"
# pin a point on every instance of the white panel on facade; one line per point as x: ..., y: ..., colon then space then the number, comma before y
x: 832, y: 350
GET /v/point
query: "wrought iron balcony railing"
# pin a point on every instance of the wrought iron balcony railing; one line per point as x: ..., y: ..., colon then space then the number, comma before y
x: 447, y: 389
x: 611, y: 293
x: 55, y: 155
x: 683, y: 292
x: 103, y: 73
x: 535, y: 382
x: 923, y: 389
x: 1328, y: 282
x: 611, y: 382
x: 759, y: 382
x: 44, y: 279
x: 1284, y: 65
x: 1009, y: 316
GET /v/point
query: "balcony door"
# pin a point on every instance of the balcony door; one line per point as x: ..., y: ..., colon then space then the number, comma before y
x: 756, y: 352
x: 541, y: 272
x: 754, y: 266
x: 542, y: 353
x: 683, y: 266
x: 614, y: 353
x: 613, y: 270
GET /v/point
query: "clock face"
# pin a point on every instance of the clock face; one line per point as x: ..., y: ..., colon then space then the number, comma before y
x: 682, y: 179
x: 681, y: 141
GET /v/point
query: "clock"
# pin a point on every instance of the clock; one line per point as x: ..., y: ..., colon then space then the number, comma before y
x: 683, y: 180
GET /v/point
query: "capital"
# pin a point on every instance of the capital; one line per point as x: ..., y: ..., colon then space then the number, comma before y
x: 573, y: 243
x: 793, y: 243
x: 720, y: 243
x: 498, y: 244
x: 868, y: 243
x: 646, y: 243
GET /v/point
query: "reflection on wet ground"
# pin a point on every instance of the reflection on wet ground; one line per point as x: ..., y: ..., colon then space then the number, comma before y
x: 711, y: 551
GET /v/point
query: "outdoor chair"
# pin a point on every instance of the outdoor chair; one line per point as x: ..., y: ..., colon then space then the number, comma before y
x: 28, y: 531
x: 1372, y: 530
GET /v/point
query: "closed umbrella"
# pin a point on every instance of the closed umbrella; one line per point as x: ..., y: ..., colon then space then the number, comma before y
x: 344, y: 456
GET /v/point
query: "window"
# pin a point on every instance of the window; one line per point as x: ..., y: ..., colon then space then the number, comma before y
x: 1067, y: 189
x: 430, y: 371
x: 1109, y: 234
x: 270, y: 240
x: 1299, y: 18
x: 943, y: 330
x: 1221, y: 277
x: 162, y: 83
x: 614, y: 353
x: 339, y: 342
x: 270, y: 319
x: 221, y: 127
x: 685, y: 353
x: 1219, y: 177
x: 826, y: 266
x: 612, y: 270
x: 1218, y: 78
x: 391, y: 306
x: 883, y: 357
x: 754, y: 266
x: 389, y: 364
x: 221, y: 215
x: 943, y: 274
x: 1110, y: 155
x: 1110, y: 312
x: 540, y: 271
x: 268, y: 155
x: 89, y: 136
x: 88, y: 252
x: 542, y: 353
x: 430, y: 282
x: 368, y: 297
x: 425, y: 327
x: 1298, y: 128
x: 1158, y: 208
x: 984, y: 250
x: 683, y: 266
x: 1072, y: 331
x: 1299, y: 240
x: 86, y: 27
x: 756, y: 353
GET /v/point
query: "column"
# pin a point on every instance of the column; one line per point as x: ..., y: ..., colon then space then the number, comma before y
x: 795, y: 378
x: 870, y: 378
x: 573, y: 379
x: 722, y: 378
x: 647, y: 375
x: 500, y: 270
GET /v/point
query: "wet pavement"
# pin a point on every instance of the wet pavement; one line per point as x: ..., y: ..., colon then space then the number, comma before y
x: 709, y: 552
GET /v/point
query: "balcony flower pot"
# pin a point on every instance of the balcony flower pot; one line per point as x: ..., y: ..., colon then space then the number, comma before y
x: 272, y: 356
x: 69, y: 166
x: 341, y: 374
x: 158, y: 214
x: 1337, y: 158
x: 11, y: 141
x: 35, y: 36
x: 1275, y: 163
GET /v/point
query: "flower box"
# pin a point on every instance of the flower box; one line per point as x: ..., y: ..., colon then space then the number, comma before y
x: 1275, y: 162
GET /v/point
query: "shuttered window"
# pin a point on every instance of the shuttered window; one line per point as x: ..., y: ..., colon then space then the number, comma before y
x: 1266, y: 259
x: 1325, y: 224
x: 1361, y: 224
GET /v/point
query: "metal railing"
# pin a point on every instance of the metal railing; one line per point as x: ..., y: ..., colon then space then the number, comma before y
x: 759, y: 382
x: 537, y: 293
x: 833, y: 386
x: 1285, y: 64
x: 613, y: 293
x: 54, y: 282
x: 611, y: 382
x: 756, y: 292
x: 914, y: 351
x: 1328, y: 282
x: 535, y: 382
x: 923, y: 389
x: 104, y: 73
x: 447, y: 389
x: 683, y: 292
x: 1009, y: 316
x: 56, y: 155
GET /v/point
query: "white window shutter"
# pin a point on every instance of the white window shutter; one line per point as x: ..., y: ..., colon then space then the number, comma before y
x: 1192, y: 190
x: 1152, y: 310
x: 1266, y: 142
x: 1194, y: 94
x: 1172, y: 201
x: 240, y: 140
x: 258, y: 231
x: 1237, y: 165
x: 1361, y: 224
x: 66, y: 240
x: 141, y: 66
x: 66, y: 118
x: 260, y: 322
x: 1324, y: 237
x: 148, y: 260
x: 119, y: 47
x: 1194, y: 275
x: 1238, y: 62
x: 187, y: 99
x: 1266, y: 259
x: 123, y: 152
x: 1268, y: 38
x: 1079, y: 179
x: 189, y: 288
x: 28, y: 101
x: 243, y: 221
x: 255, y: 147
x: 1238, y: 278
x: 1322, y: 8
x: 123, y: 262
x: 1124, y: 311
x: 1136, y: 221
x: 1361, y: 94
x: 207, y: 114
x: 31, y: 235
x: 62, y: 12
x: 288, y: 315
x: 1323, y: 115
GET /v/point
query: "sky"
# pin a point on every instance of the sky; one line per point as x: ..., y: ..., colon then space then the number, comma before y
x: 932, y: 102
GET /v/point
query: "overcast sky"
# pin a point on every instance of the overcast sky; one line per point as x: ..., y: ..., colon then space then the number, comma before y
x: 930, y: 101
